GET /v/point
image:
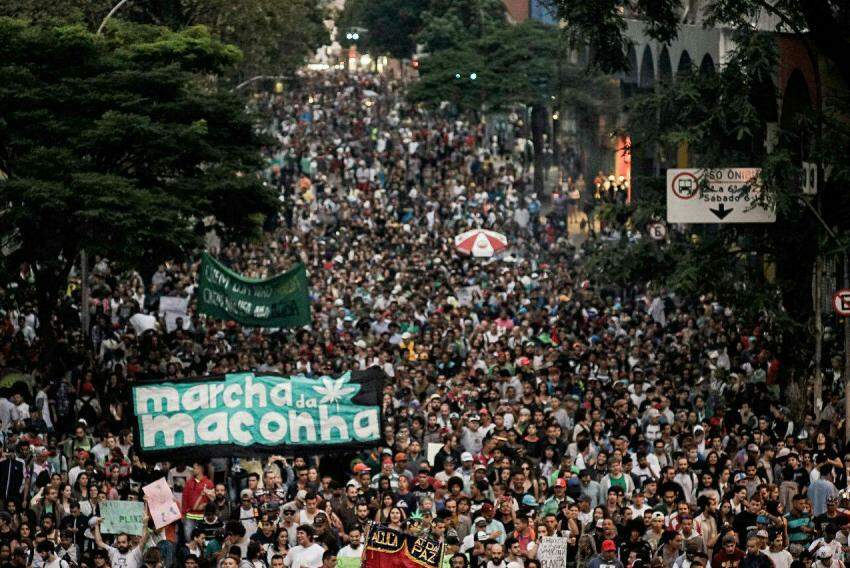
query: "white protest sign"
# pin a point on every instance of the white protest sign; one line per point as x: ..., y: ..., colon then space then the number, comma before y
x: 173, y: 308
x: 716, y: 195
x: 552, y: 552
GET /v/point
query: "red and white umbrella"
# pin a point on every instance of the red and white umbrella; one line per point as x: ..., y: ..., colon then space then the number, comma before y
x: 481, y: 242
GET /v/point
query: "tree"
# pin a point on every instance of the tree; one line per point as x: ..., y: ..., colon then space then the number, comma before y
x: 275, y: 36
x: 119, y: 144
x: 451, y: 24
x: 391, y: 25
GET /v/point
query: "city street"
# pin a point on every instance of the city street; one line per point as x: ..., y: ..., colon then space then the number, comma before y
x: 424, y: 284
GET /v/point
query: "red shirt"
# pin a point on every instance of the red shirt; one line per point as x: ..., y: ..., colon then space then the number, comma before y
x: 194, y: 489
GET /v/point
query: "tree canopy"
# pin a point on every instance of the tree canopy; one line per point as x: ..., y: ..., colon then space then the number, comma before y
x: 120, y: 144
x: 275, y: 36
x: 390, y: 25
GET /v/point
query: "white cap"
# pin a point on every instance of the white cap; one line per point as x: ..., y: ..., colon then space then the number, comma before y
x: 466, y: 457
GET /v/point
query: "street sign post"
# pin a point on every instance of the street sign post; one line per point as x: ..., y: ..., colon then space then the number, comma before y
x: 658, y: 231
x: 841, y: 302
x: 715, y: 195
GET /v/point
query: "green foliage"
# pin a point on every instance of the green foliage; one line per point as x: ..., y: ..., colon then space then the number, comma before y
x: 391, y: 25
x: 118, y: 144
x: 513, y: 64
x: 275, y: 36
x: 452, y: 24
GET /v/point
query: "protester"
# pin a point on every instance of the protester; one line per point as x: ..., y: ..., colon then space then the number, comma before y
x: 524, y: 401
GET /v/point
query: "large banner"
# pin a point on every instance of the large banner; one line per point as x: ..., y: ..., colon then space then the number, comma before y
x: 280, y: 301
x: 245, y: 413
x: 386, y: 548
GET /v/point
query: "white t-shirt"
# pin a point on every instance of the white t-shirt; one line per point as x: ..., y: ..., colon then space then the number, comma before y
x: 300, y: 557
x: 781, y: 559
x: 132, y: 559
x: 348, y: 552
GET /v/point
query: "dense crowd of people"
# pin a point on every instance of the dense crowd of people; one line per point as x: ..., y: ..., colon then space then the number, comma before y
x: 524, y: 400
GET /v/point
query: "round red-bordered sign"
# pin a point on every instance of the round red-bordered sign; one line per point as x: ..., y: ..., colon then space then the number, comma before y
x: 685, y: 185
x: 841, y: 302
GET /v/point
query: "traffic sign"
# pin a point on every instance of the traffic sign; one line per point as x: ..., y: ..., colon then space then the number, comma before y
x: 716, y: 195
x: 841, y: 302
x: 657, y: 231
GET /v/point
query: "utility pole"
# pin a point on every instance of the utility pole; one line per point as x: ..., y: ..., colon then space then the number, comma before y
x: 817, y: 285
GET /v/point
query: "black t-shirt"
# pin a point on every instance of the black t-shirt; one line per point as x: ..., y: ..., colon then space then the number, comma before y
x: 839, y: 520
x: 744, y: 522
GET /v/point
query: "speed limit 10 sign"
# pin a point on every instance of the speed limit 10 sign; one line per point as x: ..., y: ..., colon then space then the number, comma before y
x: 841, y: 302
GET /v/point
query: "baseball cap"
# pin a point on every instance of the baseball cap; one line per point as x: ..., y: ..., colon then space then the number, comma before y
x: 561, y: 482
x: 657, y: 515
x: 361, y: 468
x: 480, y: 520
x: 246, y: 493
x: 608, y: 546
x: 753, y: 448
x: 466, y: 456
x: 401, y: 457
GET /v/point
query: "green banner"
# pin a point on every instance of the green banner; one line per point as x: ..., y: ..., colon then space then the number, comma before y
x: 244, y: 413
x: 279, y: 301
x: 122, y: 517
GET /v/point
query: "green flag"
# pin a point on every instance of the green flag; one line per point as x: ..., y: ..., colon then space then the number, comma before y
x: 279, y: 301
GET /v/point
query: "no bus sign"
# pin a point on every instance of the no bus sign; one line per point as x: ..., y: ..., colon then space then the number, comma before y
x: 841, y: 302
x: 716, y: 195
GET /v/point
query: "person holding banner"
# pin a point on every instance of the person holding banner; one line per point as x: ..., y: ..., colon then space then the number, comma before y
x: 123, y: 555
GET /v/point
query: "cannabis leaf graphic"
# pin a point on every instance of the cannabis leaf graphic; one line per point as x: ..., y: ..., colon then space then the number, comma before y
x: 333, y: 391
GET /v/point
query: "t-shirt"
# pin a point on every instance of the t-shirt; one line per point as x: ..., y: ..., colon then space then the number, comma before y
x: 131, y: 559
x: 300, y: 557
x: 781, y: 559
x: 725, y: 560
x: 348, y: 552
x: 795, y: 526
